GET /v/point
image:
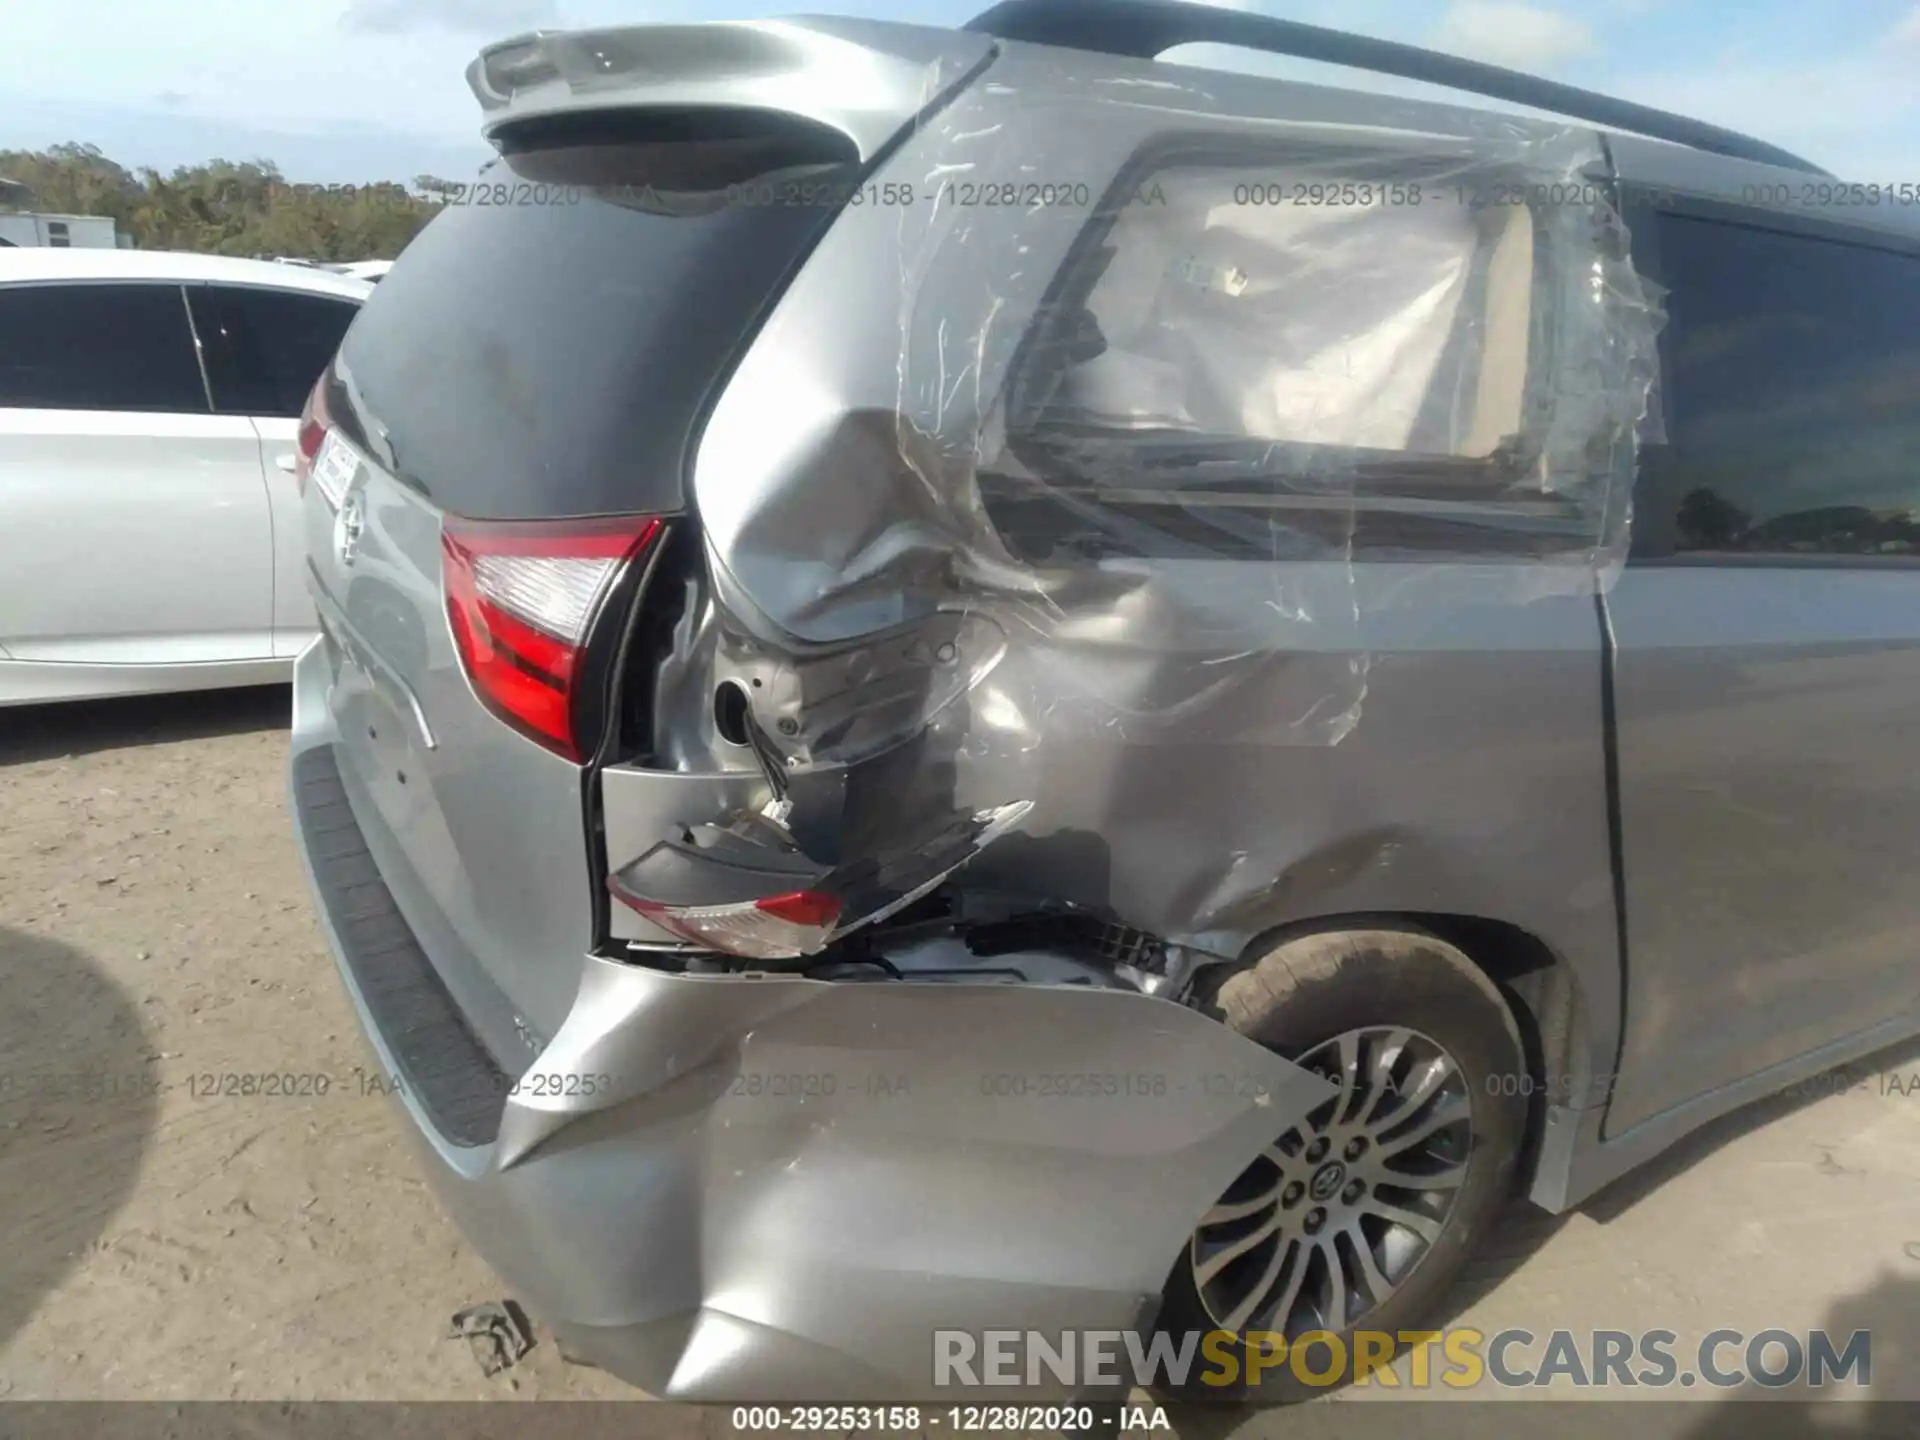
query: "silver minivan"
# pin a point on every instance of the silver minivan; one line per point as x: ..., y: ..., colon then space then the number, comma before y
x: 971, y: 681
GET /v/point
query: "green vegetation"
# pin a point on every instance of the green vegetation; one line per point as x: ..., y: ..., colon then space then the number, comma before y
x: 228, y: 208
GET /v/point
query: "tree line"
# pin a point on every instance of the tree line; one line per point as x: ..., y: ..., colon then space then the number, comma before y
x: 226, y: 207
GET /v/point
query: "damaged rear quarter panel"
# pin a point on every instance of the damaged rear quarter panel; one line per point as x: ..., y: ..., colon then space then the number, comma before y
x: 1257, y: 699
x: 763, y: 1165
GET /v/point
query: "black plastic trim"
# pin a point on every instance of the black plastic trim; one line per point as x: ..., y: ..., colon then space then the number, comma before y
x: 457, y: 1080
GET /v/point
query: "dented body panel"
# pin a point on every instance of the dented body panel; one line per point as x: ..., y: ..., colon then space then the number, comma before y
x: 1250, y: 709
x: 717, y: 1187
x: 1163, y: 497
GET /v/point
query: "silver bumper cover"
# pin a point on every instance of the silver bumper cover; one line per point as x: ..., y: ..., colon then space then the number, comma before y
x: 775, y: 1188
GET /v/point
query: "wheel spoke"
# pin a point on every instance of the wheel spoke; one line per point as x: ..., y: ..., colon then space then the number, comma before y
x: 1336, y: 1316
x: 1378, y: 1286
x: 1349, y: 1074
x: 1386, y: 1055
x: 1425, y: 1226
x: 1283, y: 1307
x: 1204, y: 1273
x: 1448, y: 1112
x: 1450, y: 1178
x: 1424, y: 1081
x: 1243, y: 1312
x: 1226, y: 1212
x: 1277, y: 1157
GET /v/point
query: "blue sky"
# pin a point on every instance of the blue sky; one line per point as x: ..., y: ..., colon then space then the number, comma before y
x: 350, y: 90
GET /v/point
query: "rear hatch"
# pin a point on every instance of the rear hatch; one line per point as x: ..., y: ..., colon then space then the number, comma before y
x: 497, y: 459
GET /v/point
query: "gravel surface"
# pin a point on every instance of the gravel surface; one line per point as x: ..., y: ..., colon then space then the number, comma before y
x: 165, y: 1239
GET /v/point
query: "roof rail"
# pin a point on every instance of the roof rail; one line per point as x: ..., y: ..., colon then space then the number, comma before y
x: 1144, y: 29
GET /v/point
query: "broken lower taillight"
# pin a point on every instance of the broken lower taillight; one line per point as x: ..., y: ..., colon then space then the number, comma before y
x: 775, y: 927
x: 521, y: 600
x: 314, y: 424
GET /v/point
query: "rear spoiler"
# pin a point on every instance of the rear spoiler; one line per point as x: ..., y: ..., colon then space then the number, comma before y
x: 866, y: 79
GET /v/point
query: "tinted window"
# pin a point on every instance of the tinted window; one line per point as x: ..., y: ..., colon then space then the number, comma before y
x: 1793, y: 394
x: 265, y: 348
x: 549, y: 344
x: 98, y: 347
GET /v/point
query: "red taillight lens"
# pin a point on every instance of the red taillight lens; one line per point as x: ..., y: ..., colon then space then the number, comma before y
x: 521, y: 599
x: 314, y: 423
x: 801, y: 907
x: 776, y: 927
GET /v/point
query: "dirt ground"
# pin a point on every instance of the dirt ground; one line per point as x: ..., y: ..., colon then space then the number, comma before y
x: 164, y: 1243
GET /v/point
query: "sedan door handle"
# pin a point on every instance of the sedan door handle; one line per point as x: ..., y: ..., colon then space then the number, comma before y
x: 284, y: 462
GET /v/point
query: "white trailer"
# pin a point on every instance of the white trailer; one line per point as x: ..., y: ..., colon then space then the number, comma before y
x: 28, y: 229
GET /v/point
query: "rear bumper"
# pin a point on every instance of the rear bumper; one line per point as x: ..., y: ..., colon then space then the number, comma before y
x: 774, y: 1188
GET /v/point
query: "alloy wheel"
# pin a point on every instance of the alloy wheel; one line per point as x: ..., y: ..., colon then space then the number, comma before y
x: 1336, y: 1214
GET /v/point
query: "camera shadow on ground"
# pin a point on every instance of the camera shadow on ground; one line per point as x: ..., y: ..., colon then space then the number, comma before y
x: 79, y: 1104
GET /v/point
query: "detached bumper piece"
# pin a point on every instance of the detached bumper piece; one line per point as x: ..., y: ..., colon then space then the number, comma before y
x: 497, y: 1332
x: 745, y: 889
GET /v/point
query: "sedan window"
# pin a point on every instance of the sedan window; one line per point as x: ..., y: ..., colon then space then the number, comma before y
x: 98, y: 347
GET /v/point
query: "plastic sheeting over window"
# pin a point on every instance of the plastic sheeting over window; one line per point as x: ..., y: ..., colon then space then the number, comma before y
x: 1131, y: 424
x: 1300, y: 355
x: 1216, y: 474
x: 1180, y: 402
x: 1223, y: 309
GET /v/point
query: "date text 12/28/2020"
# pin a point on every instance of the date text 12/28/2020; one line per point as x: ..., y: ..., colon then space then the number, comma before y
x: 315, y: 1085
x: 959, y: 1419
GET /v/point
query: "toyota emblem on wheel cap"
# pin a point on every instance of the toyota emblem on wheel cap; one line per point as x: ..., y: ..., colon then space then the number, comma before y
x: 1327, y: 1181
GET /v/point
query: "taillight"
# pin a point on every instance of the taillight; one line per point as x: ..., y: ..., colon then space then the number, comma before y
x: 521, y: 598
x: 314, y: 424
x: 776, y: 927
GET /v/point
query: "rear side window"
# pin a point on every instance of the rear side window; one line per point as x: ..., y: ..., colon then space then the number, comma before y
x: 1792, y: 394
x: 1366, y: 326
x: 98, y: 347
x: 265, y: 348
x: 1222, y: 369
x: 549, y: 344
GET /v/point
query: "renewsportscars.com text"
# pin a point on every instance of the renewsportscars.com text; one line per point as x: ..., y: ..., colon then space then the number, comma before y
x: 1459, y: 1358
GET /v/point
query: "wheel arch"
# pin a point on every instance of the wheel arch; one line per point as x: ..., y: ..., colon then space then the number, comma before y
x: 1541, y: 987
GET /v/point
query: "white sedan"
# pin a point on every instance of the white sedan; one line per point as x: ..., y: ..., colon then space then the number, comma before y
x: 150, y: 537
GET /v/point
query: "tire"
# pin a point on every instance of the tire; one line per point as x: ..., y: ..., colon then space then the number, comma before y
x: 1296, y: 1000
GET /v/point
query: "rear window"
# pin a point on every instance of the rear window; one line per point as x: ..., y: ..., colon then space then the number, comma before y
x: 549, y: 345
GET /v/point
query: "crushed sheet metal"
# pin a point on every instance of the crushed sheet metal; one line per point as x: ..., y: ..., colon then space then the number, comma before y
x: 1168, y: 462
x: 805, y: 1138
x: 1294, y: 344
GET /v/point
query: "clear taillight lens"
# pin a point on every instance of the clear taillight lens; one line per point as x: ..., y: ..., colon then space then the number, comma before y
x: 521, y: 599
x: 777, y: 927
